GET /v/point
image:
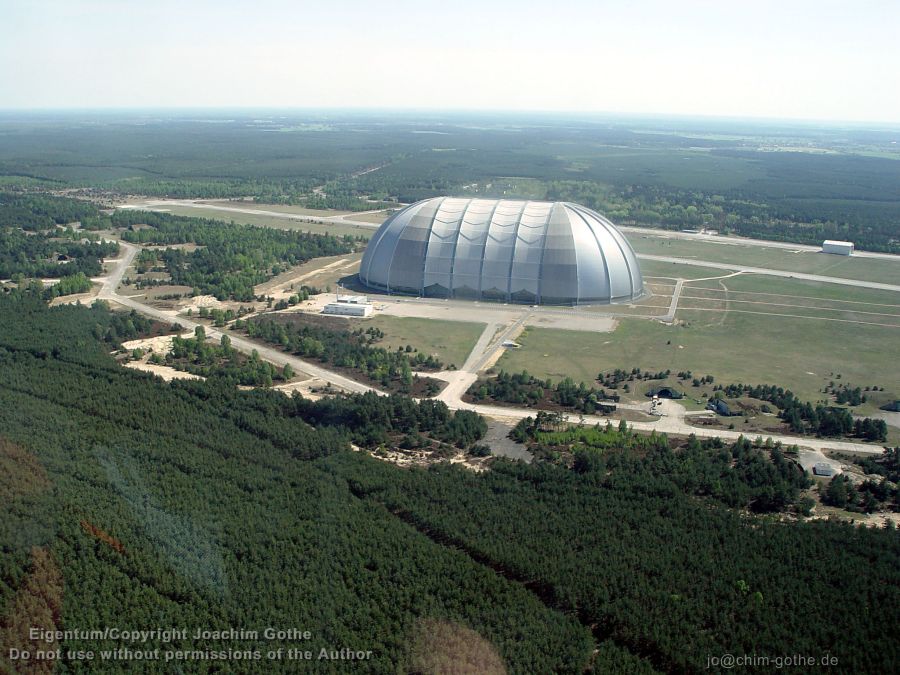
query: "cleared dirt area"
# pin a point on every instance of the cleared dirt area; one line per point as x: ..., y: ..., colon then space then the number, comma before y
x: 165, y: 372
x: 161, y: 344
x: 424, y: 458
x: 322, y: 273
x: 75, y: 298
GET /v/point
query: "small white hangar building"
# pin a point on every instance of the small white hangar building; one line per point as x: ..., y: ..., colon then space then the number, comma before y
x: 349, y: 305
x: 837, y: 247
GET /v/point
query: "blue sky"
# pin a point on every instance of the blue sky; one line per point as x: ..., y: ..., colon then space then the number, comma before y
x: 823, y: 59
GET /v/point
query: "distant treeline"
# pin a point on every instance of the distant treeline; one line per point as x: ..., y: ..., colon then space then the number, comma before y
x: 871, y: 225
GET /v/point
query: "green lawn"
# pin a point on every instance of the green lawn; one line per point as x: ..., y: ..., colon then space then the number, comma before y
x: 866, y: 269
x: 796, y: 353
x: 657, y: 268
x: 450, y: 341
x: 753, y: 283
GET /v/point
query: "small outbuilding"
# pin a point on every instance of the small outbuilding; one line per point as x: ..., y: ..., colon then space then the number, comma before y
x: 665, y: 392
x: 837, y: 247
x: 348, y: 309
x: 353, y: 299
x: 720, y: 407
x: 823, y: 469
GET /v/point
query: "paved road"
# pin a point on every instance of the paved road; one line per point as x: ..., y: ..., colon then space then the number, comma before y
x: 669, y: 316
x: 279, y: 358
x: 673, y: 423
x: 112, y: 280
x: 731, y: 240
x: 773, y: 273
x: 162, y: 204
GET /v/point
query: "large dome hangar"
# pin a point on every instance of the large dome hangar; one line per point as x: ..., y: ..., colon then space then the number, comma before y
x: 551, y: 253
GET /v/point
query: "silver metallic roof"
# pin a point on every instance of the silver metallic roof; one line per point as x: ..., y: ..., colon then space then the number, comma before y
x: 507, y: 250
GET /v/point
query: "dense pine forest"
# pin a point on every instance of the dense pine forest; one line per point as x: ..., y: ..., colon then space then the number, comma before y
x: 36, y: 212
x: 132, y: 502
x: 639, y: 559
x: 137, y: 504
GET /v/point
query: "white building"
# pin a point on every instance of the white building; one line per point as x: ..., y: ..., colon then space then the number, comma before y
x: 837, y: 247
x: 353, y: 299
x: 348, y: 309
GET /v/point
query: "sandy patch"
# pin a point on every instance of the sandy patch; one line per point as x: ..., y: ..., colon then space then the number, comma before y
x: 409, y: 458
x: 313, y: 388
x: 280, y: 287
x: 162, y: 344
x: 208, y: 301
x: 165, y: 372
x: 84, y: 298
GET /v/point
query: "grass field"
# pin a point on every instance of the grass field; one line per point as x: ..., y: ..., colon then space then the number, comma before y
x: 735, y: 341
x: 809, y: 262
x: 450, y: 341
x: 770, y: 286
x: 668, y: 270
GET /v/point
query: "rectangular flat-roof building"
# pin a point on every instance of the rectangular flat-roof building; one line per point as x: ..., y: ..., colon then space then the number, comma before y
x: 353, y: 299
x: 348, y: 309
x: 823, y: 469
x: 837, y: 247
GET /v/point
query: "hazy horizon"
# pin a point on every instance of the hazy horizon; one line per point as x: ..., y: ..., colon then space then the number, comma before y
x: 830, y: 61
x: 450, y: 113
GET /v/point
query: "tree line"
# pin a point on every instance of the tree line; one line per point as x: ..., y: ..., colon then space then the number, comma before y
x: 804, y: 418
x: 355, y: 350
x: 232, y: 258
x: 200, y: 357
x: 41, y: 255
x: 525, y: 389
x: 35, y: 212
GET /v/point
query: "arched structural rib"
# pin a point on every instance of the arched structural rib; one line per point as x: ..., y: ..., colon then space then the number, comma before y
x: 505, y: 250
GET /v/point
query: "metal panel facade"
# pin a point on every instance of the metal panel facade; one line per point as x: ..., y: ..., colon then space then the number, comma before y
x: 506, y: 250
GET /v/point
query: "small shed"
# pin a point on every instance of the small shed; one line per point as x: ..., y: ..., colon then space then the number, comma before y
x: 823, y: 469
x: 719, y: 406
x: 837, y: 247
